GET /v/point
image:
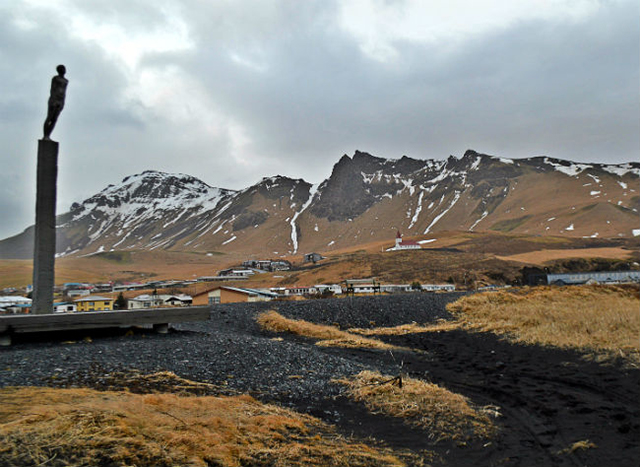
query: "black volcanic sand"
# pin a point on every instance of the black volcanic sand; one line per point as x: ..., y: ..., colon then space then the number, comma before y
x: 548, y: 398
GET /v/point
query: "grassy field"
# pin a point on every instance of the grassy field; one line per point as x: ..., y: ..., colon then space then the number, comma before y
x: 66, y: 427
x: 599, y: 320
x: 183, y: 424
x: 464, y: 257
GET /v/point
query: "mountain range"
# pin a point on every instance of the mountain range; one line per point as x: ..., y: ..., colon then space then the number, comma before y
x: 365, y: 199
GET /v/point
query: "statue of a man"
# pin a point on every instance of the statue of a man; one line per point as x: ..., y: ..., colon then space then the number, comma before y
x: 56, y: 100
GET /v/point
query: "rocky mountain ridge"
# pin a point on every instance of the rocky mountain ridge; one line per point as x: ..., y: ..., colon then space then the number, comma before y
x: 365, y: 199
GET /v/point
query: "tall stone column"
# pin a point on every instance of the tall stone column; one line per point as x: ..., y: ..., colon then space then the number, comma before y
x: 45, y: 228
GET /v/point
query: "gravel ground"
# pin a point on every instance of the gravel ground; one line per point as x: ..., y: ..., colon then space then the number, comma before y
x: 228, y: 350
x: 548, y: 398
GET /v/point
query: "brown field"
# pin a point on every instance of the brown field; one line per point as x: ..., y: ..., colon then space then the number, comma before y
x: 86, y: 427
x: 601, y: 320
x: 467, y: 258
x: 440, y: 412
x: 544, y: 256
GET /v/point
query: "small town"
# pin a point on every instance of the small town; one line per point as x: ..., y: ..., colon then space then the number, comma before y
x: 226, y: 287
x: 320, y: 233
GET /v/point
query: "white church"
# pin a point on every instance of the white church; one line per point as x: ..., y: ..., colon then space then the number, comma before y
x: 404, y: 244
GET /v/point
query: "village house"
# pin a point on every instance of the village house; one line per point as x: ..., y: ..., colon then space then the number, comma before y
x: 158, y: 301
x: 361, y: 286
x: 600, y: 277
x: 15, y: 304
x: 237, y: 273
x: 438, y: 287
x: 334, y: 289
x: 64, y: 307
x: 267, y: 264
x: 94, y: 303
x: 313, y: 257
x: 395, y: 288
x: 226, y: 294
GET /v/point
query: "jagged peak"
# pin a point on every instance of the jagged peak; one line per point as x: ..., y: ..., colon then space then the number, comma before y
x: 361, y: 156
x: 280, y: 179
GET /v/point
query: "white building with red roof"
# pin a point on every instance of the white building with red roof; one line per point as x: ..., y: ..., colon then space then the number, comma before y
x: 404, y: 244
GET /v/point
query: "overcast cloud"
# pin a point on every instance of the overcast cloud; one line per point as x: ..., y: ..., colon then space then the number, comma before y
x: 231, y: 91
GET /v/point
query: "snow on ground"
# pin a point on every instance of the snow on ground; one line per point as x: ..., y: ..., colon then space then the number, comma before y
x: 294, y: 232
x: 636, y: 232
x: 476, y: 164
x: 594, y: 193
x: 571, y: 170
x: 439, y: 216
x: 418, y: 210
x: 430, y: 240
x: 623, y: 185
x: 230, y: 240
x: 570, y: 227
x: 484, y: 214
x: 621, y: 169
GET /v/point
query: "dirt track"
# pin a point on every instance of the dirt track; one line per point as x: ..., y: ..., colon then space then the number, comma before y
x: 548, y: 399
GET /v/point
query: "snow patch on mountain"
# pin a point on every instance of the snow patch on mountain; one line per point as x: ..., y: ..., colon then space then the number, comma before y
x: 572, y: 169
x: 229, y: 240
x: 417, y: 211
x: 439, y: 216
x: 622, y: 169
x: 294, y: 232
x: 484, y: 214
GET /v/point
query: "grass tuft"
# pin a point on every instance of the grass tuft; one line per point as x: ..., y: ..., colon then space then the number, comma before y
x: 65, y: 427
x: 582, y: 445
x: 411, y: 328
x: 329, y: 336
x: 443, y: 414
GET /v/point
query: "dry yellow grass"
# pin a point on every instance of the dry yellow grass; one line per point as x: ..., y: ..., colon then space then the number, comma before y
x: 544, y: 256
x: 64, y: 427
x: 330, y: 336
x: 603, y: 320
x: 442, y: 413
x: 411, y: 328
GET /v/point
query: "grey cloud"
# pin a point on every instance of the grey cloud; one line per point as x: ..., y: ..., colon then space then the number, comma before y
x: 564, y: 89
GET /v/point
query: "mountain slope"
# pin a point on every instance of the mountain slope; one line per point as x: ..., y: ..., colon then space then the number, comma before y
x: 365, y: 199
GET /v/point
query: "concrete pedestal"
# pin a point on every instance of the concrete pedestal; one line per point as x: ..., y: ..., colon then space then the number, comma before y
x: 45, y: 228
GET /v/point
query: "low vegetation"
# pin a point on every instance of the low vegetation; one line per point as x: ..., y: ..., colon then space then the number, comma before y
x: 65, y: 427
x: 443, y: 414
x: 411, y: 328
x: 601, y: 320
x: 330, y: 336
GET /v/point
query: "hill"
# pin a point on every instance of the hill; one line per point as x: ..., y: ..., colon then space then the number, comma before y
x: 366, y: 199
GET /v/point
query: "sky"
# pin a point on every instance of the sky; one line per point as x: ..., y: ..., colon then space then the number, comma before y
x: 231, y: 91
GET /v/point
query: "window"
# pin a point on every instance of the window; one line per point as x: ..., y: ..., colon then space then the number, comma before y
x: 214, y: 300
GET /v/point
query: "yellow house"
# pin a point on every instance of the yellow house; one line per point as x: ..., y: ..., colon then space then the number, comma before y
x: 94, y: 303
